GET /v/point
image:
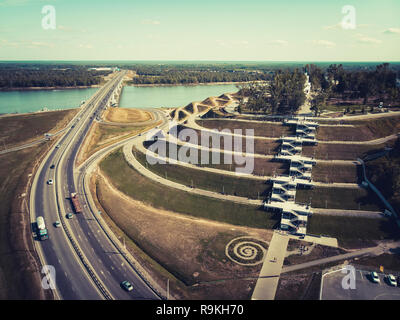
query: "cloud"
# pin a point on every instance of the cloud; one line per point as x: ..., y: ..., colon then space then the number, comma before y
x: 333, y: 27
x: 152, y: 22
x: 37, y: 44
x: 25, y: 44
x: 234, y: 43
x: 11, y: 3
x: 339, y: 26
x: 278, y: 43
x: 86, y: 46
x: 366, y: 40
x: 14, y: 3
x: 69, y: 29
x: 323, y: 43
x: 392, y: 31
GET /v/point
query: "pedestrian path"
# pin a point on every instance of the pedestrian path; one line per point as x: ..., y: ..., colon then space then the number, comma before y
x: 268, y: 279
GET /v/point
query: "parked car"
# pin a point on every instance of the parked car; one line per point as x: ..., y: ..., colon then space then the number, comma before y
x: 126, y: 285
x: 392, y: 280
x: 374, y: 277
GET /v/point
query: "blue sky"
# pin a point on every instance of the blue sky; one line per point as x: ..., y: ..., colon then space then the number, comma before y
x: 284, y: 30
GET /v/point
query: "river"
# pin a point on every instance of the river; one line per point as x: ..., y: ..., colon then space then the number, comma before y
x: 132, y: 97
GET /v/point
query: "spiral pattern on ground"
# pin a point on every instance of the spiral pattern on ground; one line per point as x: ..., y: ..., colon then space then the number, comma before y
x: 247, y: 251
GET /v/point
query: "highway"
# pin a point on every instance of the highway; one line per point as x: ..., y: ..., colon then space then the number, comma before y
x: 88, y: 264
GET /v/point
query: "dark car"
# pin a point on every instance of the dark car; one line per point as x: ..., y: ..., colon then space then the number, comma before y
x: 126, y: 285
x: 52, y: 166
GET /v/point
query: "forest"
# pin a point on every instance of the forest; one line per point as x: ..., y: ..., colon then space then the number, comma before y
x: 336, y: 85
x: 23, y: 76
x: 282, y: 95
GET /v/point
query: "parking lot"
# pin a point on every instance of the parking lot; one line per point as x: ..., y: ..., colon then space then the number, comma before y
x: 365, y: 289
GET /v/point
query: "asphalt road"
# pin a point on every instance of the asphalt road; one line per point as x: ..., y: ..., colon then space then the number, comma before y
x: 96, y: 273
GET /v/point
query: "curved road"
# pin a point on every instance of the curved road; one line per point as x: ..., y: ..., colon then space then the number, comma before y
x: 87, y: 264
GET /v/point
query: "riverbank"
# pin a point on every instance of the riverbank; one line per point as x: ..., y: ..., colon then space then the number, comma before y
x: 187, y: 84
x: 48, y: 88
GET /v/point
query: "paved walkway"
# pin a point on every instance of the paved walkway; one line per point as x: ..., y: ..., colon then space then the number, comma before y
x: 324, y: 241
x: 127, y: 150
x: 380, y: 249
x: 138, y: 144
x: 268, y: 278
x: 191, y: 123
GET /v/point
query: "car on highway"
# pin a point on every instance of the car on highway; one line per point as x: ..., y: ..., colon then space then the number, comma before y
x: 52, y: 166
x: 57, y: 224
x: 69, y: 215
x: 374, y: 277
x: 58, y: 146
x: 50, y: 181
x: 391, y: 280
x: 126, y: 285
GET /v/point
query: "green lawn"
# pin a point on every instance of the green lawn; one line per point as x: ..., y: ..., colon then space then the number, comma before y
x: 353, y: 231
x: 348, y: 230
x: 340, y: 198
x: 132, y: 183
x: 243, y: 187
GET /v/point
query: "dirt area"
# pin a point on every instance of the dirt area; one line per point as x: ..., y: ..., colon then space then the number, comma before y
x: 190, y: 249
x: 340, y: 198
x: 127, y: 115
x: 342, y: 173
x: 210, y: 101
x: 189, y: 108
x: 265, y: 147
x: 343, y: 151
x: 262, y: 167
x: 299, y: 286
x: 301, y: 252
x: 102, y: 135
x: 260, y: 129
x: 130, y: 75
x: 202, y: 108
x: 363, y: 130
x: 16, y: 246
x: 16, y: 173
x: 21, y: 129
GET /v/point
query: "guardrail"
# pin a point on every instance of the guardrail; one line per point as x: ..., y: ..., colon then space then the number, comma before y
x: 74, y: 244
x: 92, y: 208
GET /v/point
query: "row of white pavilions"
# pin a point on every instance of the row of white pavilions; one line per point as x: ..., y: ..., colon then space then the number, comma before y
x: 294, y: 216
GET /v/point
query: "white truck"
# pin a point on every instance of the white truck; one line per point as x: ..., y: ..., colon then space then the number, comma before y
x: 41, y: 228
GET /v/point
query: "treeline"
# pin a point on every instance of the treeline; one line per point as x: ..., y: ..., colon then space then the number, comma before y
x: 336, y: 82
x: 193, y: 77
x: 282, y: 95
x: 22, y: 77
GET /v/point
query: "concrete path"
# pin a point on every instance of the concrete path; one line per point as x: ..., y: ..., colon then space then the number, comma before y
x: 380, y: 249
x: 349, y: 213
x: 143, y: 150
x: 138, y: 143
x: 127, y: 150
x: 268, y: 278
x: 324, y: 241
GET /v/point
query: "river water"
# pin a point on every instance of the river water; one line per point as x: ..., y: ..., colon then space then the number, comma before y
x: 132, y: 97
